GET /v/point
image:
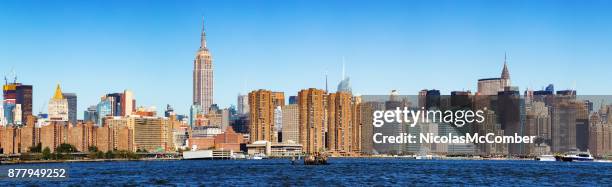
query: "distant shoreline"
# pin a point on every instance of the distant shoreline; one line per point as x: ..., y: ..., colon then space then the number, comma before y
x: 82, y: 160
x: 17, y: 162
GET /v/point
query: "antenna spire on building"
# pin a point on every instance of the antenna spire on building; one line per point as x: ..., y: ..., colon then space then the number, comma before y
x: 343, y: 70
x: 203, y: 36
x: 326, y: 81
x: 505, y: 73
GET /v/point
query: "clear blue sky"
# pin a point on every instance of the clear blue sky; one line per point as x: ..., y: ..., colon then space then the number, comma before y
x: 97, y: 47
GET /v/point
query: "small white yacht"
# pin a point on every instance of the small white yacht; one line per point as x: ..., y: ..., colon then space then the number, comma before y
x: 546, y: 158
x: 258, y: 156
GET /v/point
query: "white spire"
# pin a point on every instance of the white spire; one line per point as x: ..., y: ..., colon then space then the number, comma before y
x: 203, y: 36
x: 343, y: 70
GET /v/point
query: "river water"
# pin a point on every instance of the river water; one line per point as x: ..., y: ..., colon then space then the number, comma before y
x: 279, y: 172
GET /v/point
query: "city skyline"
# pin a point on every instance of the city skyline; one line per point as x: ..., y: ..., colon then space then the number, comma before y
x: 268, y: 45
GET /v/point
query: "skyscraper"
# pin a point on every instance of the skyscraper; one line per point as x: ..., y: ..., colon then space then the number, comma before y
x: 127, y: 103
x: 104, y: 109
x: 72, y: 107
x: 169, y: 111
x: 58, y: 106
x: 17, y: 93
x: 345, y: 83
x: 91, y: 114
x: 292, y: 99
x: 203, y: 75
x: 115, y: 103
x: 243, y: 104
x: 491, y: 86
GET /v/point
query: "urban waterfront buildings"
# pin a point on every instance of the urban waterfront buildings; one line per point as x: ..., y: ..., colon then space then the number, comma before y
x: 313, y: 121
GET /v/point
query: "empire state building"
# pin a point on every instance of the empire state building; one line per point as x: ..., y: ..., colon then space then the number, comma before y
x: 203, y: 76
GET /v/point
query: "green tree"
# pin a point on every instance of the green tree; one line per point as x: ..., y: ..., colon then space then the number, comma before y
x: 92, y: 149
x: 109, y: 154
x: 99, y: 154
x: 46, y: 153
x: 36, y: 149
x: 65, y: 148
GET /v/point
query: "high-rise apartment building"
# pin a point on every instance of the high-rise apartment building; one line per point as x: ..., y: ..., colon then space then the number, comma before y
x: 311, y: 103
x: 356, y: 124
x: 261, y: 115
x: 278, y: 99
x: 203, y: 75
x: 339, y: 120
x: 367, y: 109
x: 122, y: 133
x: 53, y: 135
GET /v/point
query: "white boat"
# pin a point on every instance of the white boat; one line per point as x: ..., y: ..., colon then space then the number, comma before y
x: 577, y: 157
x: 258, y: 156
x: 427, y: 157
x: 546, y: 158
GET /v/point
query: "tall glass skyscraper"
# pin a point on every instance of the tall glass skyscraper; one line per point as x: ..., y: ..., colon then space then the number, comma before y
x: 72, y: 107
x: 104, y: 109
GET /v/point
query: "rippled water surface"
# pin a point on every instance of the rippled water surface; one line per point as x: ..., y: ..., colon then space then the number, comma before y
x: 279, y: 172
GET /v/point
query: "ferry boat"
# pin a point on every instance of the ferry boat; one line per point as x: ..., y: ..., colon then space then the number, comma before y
x: 577, y: 157
x: 546, y: 158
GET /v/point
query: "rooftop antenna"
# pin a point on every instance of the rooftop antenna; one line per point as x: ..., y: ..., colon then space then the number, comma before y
x: 42, y: 108
x: 343, y: 70
x: 326, y: 81
x: 14, y: 76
